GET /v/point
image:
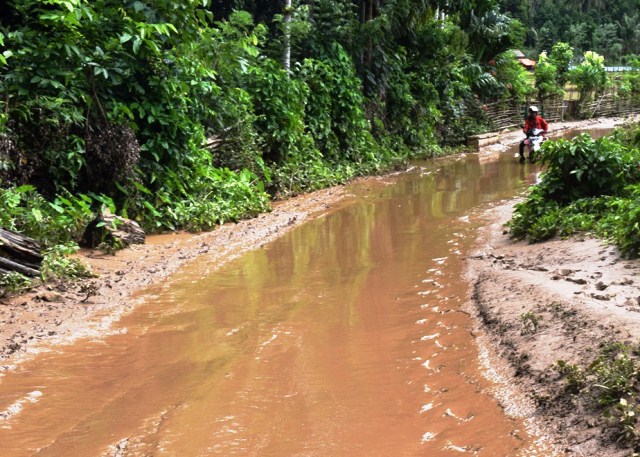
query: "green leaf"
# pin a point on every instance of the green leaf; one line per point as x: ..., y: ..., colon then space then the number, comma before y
x: 141, y: 188
x: 150, y: 207
x: 59, y: 209
x: 37, y: 214
x: 125, y: 37
x: 137, y: 42
x: 25, y: 188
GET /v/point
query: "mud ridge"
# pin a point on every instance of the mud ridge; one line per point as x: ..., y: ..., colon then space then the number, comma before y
x: 563, y: 300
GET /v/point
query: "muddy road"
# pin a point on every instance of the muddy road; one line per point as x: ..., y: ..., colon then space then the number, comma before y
x: 348, y: 335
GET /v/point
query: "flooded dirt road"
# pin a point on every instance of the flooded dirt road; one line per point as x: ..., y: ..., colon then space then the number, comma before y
x: 344, y: 337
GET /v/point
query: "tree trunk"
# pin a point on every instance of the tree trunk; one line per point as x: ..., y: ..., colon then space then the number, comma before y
x: 287, y: 36
x: 19, y: 253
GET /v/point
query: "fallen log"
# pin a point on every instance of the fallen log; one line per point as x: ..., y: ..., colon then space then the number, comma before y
x: 19, y: 253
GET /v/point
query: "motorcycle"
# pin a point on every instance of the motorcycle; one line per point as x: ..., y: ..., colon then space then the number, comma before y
x: 533, y: 142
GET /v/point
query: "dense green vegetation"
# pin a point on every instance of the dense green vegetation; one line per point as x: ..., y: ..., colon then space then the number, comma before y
x: 588, y: 186
x: 182, y: 115
x: 611, y: 29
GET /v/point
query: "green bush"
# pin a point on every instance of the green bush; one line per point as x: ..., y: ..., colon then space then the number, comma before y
x: 584, y: 167
x: 547, y: 78
x: 57, y: 263
x: 14, y: 282
x: 588, y: 186
x: 590, y: 76
x: 623, y: 222
x: 334, y: 110
x: 62, y: 220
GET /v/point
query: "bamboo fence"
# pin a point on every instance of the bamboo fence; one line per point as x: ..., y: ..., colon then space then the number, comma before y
x: 609, y: 104
x: 511, y: 113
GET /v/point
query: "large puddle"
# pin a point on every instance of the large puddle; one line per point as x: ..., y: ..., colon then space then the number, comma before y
x: 344, y: 337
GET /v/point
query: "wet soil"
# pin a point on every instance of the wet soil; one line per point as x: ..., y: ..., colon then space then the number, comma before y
x: 510, y: 279
x: 342, y: 337
x: 579, y: 295
x: 62, y: 313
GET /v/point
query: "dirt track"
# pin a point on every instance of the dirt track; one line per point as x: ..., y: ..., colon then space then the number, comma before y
x: 557, y: 300
x: 62, y: 313
x: 581, y: 293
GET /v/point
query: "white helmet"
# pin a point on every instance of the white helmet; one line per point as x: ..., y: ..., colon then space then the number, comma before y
x: 533, y: 108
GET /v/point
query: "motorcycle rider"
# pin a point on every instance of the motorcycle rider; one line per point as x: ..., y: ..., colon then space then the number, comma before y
x: 533, y: 121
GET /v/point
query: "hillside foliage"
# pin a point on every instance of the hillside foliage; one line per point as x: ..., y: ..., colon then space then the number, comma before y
x: 611, y: 29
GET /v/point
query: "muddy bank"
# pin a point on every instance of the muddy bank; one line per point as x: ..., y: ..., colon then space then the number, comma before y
x: 540, y: 303
x: 559, y: 300
x: 62, y: 313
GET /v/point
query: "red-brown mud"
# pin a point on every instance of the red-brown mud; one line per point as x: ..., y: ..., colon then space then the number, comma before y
x: 510, y: 279
x: 62, y: 313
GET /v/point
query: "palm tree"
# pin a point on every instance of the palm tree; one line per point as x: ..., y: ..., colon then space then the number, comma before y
x: 488, y: 34
x: 629, y: 32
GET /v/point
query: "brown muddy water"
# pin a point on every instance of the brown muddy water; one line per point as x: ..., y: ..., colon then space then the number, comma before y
x: 344, y: 337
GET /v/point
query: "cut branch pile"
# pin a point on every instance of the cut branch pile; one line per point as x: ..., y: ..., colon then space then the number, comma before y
x: 19, y: 253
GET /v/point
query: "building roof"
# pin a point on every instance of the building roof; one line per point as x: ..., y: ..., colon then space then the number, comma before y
x: 527, y: 62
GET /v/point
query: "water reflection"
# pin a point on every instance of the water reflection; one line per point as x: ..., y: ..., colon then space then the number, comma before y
x: 343, y: 337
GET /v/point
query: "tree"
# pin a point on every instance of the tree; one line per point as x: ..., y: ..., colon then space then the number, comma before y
x: 584, y: 5
x: 629, y: 28
x: 489, y: 34
x: 512, y: 76
x: 590, y: 76
x: 605, y: 39
x: 547, y: 81
x: 546, y: 38
x: 579, y: 37
x: 561, y: 56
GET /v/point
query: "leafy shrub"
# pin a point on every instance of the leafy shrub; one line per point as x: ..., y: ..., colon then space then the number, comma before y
x: 279, y: 102
x: 528, y: 214
x: 611, y: 382
x: 334, y: 108
x: 513, y: 77
x: 24, y: 210
x: 624, y: 222
x: 561, y: 56
x: 588, y: 186
x: 217, y: 196
x: 584, y: 167
x: 13, y: 282
x: 616, y: 373
x: 590, y: 76
x: 58, y: 264
x: 547, y: 80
